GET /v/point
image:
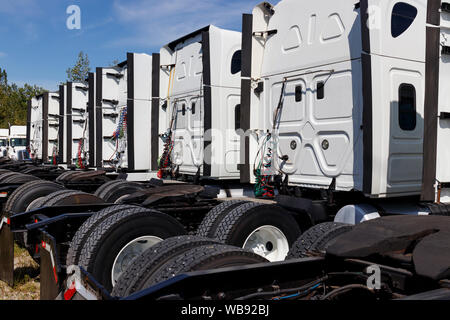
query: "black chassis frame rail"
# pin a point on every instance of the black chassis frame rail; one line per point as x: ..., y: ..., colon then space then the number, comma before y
x: 50, y: 225
x: 234, y: 282
x: 240, y: 280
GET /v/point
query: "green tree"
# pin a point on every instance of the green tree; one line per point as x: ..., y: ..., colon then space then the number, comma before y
x: 80, y: 71
x: 114, y: 63
x: 14, y: 101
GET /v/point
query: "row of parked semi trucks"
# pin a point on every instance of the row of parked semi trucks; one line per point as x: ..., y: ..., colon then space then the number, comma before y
x: 230, y: 150
x: 13, y: 143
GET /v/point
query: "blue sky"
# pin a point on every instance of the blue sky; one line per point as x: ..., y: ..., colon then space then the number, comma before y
x: 36, y: 47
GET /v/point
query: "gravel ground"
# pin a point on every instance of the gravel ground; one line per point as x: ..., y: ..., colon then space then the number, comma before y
x: 26, y: 278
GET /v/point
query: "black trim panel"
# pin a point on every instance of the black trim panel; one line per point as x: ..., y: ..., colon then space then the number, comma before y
x: 207, y: 121
x: 91, y: 123
x: 367, y: 123
x: 173, y: 44
x: 366, y: 61
x: 365, y: 32
x: 69, y: 122
x: 130, y: 111
x: 99, y: 118
x: 61, y: 125
x: 433, y: 15
x: 155, y: 112
x: 247, y: 38
x: 431, y: 112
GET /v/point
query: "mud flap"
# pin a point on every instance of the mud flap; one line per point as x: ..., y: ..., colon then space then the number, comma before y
x: 80, y: 285
x: 50, y: 268
x: 6, y: 252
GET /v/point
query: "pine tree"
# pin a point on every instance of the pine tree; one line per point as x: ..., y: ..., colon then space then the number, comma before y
x: 80, y: 71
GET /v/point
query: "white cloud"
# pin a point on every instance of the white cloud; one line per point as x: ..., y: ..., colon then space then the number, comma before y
x: 2, y: 54
x: 157, y: 22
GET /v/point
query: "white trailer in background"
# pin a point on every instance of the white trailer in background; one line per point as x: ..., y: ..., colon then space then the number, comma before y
x: 45, y: 127
x: 123, y: 116
x: 200, y: 105
x: 17, y: 142
x: 4, y: 139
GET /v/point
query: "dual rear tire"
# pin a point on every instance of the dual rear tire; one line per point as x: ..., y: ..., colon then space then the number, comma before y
x: 180, y: 255
x: 265, y: 229
x: 185, y: 254
x: 106, y: 244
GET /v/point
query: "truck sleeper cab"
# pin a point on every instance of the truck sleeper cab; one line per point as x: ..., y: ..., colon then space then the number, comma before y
x: 200, y: 104
x: 333, y: 102
x: 348, y: 111
x: 45, y: 129
x: 123, y: 115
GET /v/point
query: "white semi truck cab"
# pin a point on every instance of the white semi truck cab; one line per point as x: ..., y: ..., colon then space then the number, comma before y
x: 123, y: 101
x: 18, y: 142
x: 4, y: 140
x: 348, y: 98
x: 45, y: 127
x: 200, y: 105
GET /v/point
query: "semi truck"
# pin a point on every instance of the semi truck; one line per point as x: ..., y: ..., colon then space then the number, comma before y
x: 4, y: 136
x: 341, y: 121
x: 345, y: 115
x: 17, y: 143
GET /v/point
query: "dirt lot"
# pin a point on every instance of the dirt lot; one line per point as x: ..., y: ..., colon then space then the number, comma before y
x: 26, y: 278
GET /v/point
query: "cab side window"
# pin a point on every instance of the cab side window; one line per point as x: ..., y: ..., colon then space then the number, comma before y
x: 407, y: 107
x: 236, y: 62
x: 403, y: 16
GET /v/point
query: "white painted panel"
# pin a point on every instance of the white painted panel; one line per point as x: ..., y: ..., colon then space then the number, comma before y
x: 36, y: 127
x: 53, y: 126
x: 443, y: 135
x: 80, y: 130
x: 322, y: 138
x: 142, y: 111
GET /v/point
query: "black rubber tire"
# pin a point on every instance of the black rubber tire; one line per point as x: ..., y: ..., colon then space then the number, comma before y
x: 240, y: 222
x: 7, y: 175
x: 41, y: 202
x: 63, y: 176
x: 317, y: 239
x: 105, y: 241
x: 4, y: 171
x: 100, y: 192
x: 212, y: 219
x: 207, y: 257
x: 23, y: 196
x: 144, y: 266
x: 65, y: 196
x: 55, y: 194
x: 36, y: 204
x: 76, y: 245
x: 112, y: 191
x: 20, y: 179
